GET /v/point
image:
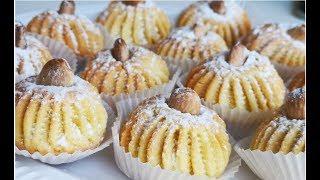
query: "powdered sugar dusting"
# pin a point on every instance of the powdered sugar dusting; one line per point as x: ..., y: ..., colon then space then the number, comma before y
x: 284, y: 124
x: 203, y: 11
x: 28, y: 61
x: 296, y: 93
x: 221, y: 67
x: 157, y: 108
x: 80, y: 89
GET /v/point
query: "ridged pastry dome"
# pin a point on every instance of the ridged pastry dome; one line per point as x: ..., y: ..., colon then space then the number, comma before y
x: 225, y: 17
x: 77, y: 32
x: 30, y: 54
x: 284, y: 44
x: 159, y: 133
x: 126, y: 69
x: 137, y: 22
x: 58, y: 112
x: 195, y: 43
x: 285, y: 133
x: 238, y: 78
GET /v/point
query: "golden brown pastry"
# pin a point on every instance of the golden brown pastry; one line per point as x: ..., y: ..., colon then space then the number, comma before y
x: 286, y: 132
x: 195, y: 43
x: 283, y: 44
x: 177, y: 134
x: 224, y: 17
x: 297, y: 81
x: 126, y: 69
x: 30, y: 54
x: 58, y: 112
x: 76, y: 31
x: 238, y: 78
x: 137, y: 22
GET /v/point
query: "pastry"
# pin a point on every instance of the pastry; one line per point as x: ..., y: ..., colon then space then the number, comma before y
x: 283, y: 44
x: 286, y: 132
x: 297, y: 81
x: 224, y: 17
x: 177, y: 134
x: 126, y: 69
x: 137, y: 22
x: 238, y: 78
x: 186, y: 44
x: 58, y: 112
x: 76, y: 31
x: 30, y: 54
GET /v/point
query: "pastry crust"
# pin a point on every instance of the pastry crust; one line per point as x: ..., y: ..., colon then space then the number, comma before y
x: 248, y: 82
x: 77, y: 32
x: 283, y: 44
x: 187, y: 44
x: 141, y: 24
x: 231, y: 23
x: 58, y: 119
x: 142, y: 70
x: 30, y: 55
x: 177, y: 141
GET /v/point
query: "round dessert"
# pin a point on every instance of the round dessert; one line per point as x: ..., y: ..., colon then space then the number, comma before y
x: 178, y: 134
x: 76, y: 31
x: 30, y: 54
x: 297, y: 81
x: 126, y: 69
x: 190, y: 44
x: 283, y: 44
x: 137, y: 22
x: 58, y: 112
x: 238, y: 78
x: 286, y: 132
x: 224, y: 17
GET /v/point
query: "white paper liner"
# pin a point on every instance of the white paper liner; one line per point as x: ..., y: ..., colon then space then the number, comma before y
x: 240, y: 123
x: 272, y: 166
x: 66, y: 157
x: 186, y: 64
x: 108, y: 40
x: 287, y: 72
x: 58, y: 50
x: 161, y: 89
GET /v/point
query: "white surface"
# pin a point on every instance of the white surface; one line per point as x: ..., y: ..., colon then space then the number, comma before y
x: 102, y: 165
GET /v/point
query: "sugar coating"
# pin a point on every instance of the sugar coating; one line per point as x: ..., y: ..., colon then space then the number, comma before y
x: 221, y: 67
x: 284, y: 124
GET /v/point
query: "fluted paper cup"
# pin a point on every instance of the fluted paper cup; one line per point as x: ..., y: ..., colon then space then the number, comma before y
x: 66, y: 157
x: 58, y: 50
x: 135, y: 169
x: 185, y: 64
x: 287, y: 72
x: 272, y: 166
x: 161, y: 89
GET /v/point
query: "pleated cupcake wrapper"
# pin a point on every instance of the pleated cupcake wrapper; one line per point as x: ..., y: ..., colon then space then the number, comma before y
x: 141, y: 95
x: 66, y: 157
x: 272, y: 166
x: 287, y: 72
x: 185, y: 64
x: 240, y: 123
x: 108, y: 40
x: 137, y: 170
x: 58, y: 50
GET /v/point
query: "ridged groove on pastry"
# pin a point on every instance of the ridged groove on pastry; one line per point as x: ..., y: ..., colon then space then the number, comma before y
x: 253, y: 86
x: 142, y: 70
x: 230, y: 26
x: 30, y: 60
x: 160, y: 135
x: 280, y: 135
x: 56, y: 119
x: 273, y: 41
x: 77, y: 32
x: 184, y: 44
x: 143, y: 24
